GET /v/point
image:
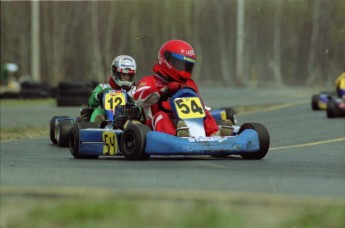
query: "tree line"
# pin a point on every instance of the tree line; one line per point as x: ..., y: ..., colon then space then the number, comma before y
x: 277, y: 42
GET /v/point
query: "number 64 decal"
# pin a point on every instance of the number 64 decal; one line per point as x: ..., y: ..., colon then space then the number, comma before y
x: 189, y: 107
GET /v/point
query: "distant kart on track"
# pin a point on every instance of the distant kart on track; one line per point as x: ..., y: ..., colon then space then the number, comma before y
x: 136, y: 141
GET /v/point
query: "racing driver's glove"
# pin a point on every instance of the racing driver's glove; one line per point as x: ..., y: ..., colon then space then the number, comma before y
x: 174, y: 86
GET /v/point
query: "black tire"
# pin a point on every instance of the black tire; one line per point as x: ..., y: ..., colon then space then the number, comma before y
x: 53, y: 128
x: 75, y: 92
x: 65, y: 85
x: 74, y: 139
x: 332, y: 109
x: 31, y: 85
x: 231, y: 114
x: 10, y: 95
x: 315, y: 102
x: 133, y: 142
x: 72, y: 101
x: 62, y: 132
x: 264, y: 140
x: 34, y: 93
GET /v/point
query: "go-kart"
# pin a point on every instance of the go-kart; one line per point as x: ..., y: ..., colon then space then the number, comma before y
x: 335, y: 107
x: 138, y: 142
x: 60, y: 126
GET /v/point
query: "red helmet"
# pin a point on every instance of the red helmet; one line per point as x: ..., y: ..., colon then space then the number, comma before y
x: 176, y: 59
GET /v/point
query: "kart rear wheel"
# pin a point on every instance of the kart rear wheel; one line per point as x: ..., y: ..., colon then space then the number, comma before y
x: 315, y: 102
x: 53, y: 128
x: 74, y: 140
x: 133, y: 141
x: 264, y: 141
x: 62, y: 132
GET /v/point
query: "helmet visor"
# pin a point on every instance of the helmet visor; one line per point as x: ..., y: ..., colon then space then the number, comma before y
x: 180, y: 62
x: 125, y: 76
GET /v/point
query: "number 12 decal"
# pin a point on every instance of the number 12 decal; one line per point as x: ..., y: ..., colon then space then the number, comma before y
x: 112, y: 100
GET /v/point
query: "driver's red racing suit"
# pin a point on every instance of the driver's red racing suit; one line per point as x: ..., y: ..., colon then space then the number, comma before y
x: 147, y: 93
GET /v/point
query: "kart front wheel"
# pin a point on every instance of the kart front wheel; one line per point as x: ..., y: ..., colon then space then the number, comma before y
x: 133, y: 141
x: 264, y: 141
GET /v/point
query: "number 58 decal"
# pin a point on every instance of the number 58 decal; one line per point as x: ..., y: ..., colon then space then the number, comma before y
x: 189, y: 107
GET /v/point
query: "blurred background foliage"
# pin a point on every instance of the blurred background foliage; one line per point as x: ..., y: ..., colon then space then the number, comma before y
x: 284, y: 42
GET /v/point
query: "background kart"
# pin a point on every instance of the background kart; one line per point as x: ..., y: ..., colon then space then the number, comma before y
x: 60, y: 126
x: 138, y: 142
x: 224, y: 113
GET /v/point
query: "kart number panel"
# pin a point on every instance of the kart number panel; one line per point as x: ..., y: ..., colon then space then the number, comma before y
x: 114, y: 99
x: 110, y: 146
x: 189, y: 108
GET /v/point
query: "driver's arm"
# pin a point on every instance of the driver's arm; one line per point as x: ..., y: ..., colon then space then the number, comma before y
x: 146, y: 93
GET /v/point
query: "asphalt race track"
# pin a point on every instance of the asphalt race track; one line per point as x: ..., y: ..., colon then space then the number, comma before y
x: 306, y: 157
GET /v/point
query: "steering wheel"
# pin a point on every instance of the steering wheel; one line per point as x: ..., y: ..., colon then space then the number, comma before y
x: 165, y: 97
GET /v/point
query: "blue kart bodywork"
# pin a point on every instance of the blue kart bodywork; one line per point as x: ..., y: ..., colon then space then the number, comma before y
x: 138, y: 142
x: 158, y: 143
x: 164, y: 144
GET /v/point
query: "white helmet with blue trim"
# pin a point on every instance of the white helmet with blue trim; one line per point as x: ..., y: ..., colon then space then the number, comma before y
x: 123, y: 65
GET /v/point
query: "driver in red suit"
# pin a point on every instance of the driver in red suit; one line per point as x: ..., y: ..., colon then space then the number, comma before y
x: 176, y: 59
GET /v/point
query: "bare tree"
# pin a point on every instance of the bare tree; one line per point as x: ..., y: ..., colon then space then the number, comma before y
x: 79, y: 39
x: 35, y: 40
x: 276, y: 43
x: 97, y: 67
x: 223, y: 45
x: 240, y: 77
x: 55, y: 40
x: 312, y: 74
x: 197, y: 71
x: 108, y: 52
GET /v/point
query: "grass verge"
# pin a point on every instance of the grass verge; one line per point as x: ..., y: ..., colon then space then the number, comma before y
x: 25, y: 132
x: 27, y: 102
x: 130, y: 208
